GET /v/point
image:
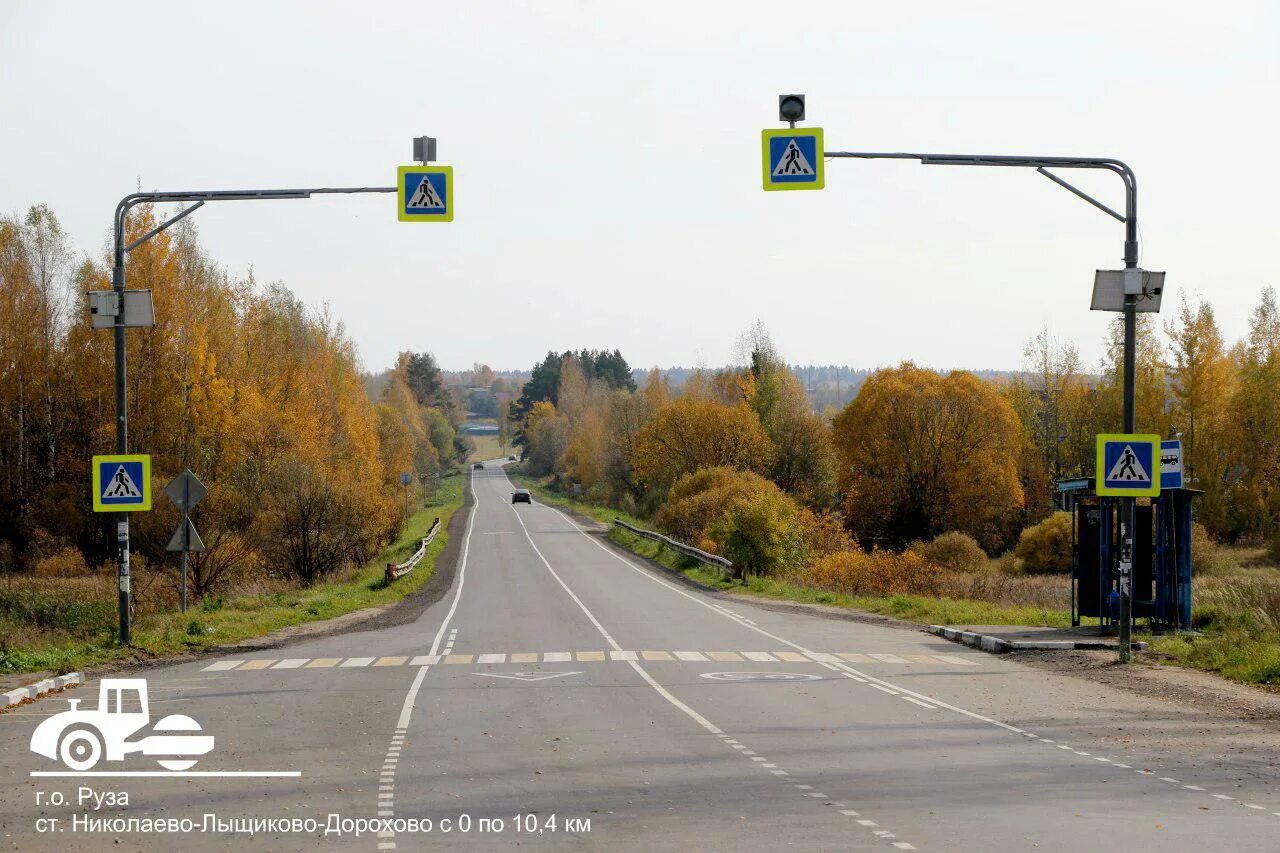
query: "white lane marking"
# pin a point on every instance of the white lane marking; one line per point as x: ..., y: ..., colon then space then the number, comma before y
x: 406, y: 710
x: 424, y: 660
x: 291, y: 663
x: 760, y: 657
x: 349, y: 662
x: 622, y: 655
x: 492, y: 658
x: 887, y: 658
x: 662, y: 691
x: 921, y: 704
x: 557, y: 657
x: 690, y: 656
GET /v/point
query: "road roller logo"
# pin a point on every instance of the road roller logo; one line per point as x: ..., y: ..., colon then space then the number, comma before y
x: 81, y: 739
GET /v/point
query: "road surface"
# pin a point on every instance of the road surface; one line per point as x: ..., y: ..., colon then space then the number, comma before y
x: 564, y: 695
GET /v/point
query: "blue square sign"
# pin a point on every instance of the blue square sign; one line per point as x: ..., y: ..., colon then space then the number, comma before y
x: 425, y: 193
x: 792, y: 159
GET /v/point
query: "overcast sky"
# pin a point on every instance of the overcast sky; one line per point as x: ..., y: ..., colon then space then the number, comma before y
x: 607, y: 163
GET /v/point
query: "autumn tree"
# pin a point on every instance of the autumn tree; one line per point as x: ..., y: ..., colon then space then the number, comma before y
x: 921, y: 454
x: 690, y: 434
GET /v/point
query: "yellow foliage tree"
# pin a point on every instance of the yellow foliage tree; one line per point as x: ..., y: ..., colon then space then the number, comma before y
x: 694, y: 433
x: 921, y: 453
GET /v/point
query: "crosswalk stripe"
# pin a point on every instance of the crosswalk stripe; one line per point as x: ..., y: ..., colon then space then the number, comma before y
x: 586, y: 657
x: 957, y: 659
x: 888, y: 658
x: 222, y: 665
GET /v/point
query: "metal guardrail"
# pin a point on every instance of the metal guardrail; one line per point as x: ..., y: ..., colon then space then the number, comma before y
x: 677, y: 546
x: 399, y: 570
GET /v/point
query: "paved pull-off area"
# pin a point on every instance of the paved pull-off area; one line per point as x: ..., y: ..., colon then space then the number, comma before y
x: 564, y: 694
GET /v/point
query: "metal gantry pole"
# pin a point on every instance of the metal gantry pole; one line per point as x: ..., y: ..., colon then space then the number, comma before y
x: 1127, y: 506
x: 118, y: 285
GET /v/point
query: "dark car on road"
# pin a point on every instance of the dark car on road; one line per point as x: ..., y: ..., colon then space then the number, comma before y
x: 478, y: 466
x: 511, y: 459
x: 521, y: 496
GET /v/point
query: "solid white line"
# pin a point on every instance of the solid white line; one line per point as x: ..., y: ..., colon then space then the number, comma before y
x: 559, y: 580
x: 168, y: 774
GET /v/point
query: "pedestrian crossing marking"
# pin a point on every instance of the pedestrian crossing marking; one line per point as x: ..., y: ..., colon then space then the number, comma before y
x: 593, y: 656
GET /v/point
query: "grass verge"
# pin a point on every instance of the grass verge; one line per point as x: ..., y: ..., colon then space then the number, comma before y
x: 223, y: 620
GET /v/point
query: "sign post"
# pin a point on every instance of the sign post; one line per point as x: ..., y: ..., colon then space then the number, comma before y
x: 121, y: 485
x: 185, y: 490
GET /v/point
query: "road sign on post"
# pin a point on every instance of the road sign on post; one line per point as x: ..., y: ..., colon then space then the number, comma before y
x: 1128, y: 465
x: 792, y: 159
x: 185, y: 490
x: 1171, y: 464
x: 122, y: 483
x: 425, y: 193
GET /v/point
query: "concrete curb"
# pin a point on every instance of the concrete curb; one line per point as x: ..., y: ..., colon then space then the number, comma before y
x: 998, y: 645
x: 34, y: 691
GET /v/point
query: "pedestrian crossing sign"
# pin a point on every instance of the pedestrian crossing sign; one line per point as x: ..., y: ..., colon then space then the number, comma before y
x: 122, y: 483
x: 1128, y: 465
x: 425, y: 193
x: 792, y: 159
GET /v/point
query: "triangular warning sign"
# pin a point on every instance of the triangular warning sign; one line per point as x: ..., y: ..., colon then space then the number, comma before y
x: 120, y: 485
x: 792, y: 161
x: 425, y: 197
x: 1128, y: 468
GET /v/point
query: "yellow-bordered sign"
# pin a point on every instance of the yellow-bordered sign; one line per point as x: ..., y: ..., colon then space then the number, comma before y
x: 1128, y: 465
x: 122, y: 483
x: 792, y: 158
x: 425, y: 193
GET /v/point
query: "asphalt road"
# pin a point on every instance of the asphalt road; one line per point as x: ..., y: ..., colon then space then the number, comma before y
x: 564, y: 695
